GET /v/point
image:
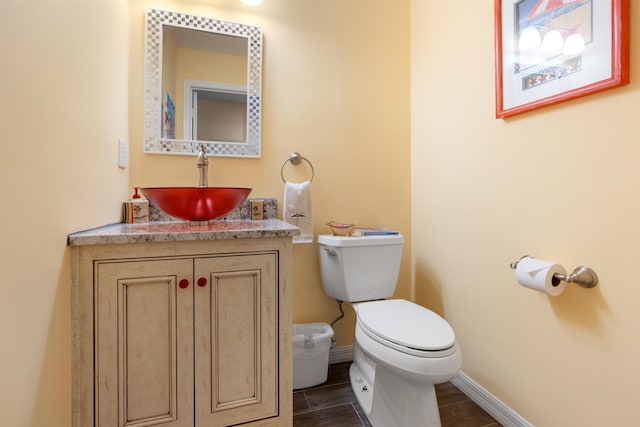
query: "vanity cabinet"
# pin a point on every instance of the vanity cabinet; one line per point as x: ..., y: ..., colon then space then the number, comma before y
x: 182, y: 334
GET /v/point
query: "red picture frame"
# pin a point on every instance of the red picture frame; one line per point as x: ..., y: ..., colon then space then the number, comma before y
x: 551, y: 51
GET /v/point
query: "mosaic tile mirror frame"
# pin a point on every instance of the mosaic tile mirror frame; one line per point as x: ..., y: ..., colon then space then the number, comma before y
x: 154, y: 110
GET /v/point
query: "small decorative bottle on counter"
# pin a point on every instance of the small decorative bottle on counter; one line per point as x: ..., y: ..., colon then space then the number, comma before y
x: 136, y: 209
x: 257, y: 209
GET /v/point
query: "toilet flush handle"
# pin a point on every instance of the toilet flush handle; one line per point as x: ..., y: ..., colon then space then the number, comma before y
x: 330, y: 252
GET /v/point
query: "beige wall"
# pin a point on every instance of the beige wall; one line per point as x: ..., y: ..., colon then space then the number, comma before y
x: 64, y: 105
x: 335, y: 89
x: 560, y: 183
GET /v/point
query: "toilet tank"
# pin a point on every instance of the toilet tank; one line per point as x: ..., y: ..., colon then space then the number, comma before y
x: 360, y: 268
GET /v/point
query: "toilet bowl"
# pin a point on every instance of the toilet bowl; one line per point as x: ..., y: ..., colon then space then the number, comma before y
x: 395, y: 367
x: 401, y: 349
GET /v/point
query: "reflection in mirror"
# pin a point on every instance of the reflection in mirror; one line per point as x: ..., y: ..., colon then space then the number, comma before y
x: 202, y: 85
x: 217, y: 112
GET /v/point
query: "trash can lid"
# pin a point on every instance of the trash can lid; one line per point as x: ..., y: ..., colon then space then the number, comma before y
x: 317, y: 329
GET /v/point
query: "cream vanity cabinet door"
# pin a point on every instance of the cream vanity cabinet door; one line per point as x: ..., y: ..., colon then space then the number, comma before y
x: 144, y: 343
x: 236, y: 339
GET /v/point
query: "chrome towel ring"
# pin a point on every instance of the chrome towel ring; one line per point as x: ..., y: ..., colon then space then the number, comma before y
x: 295, y: 159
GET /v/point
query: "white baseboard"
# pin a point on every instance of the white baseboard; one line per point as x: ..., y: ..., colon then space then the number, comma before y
x: 341, y: 354
x: 491, y: 404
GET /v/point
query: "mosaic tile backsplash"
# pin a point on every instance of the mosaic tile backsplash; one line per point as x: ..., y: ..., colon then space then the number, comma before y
x: 241, y: 212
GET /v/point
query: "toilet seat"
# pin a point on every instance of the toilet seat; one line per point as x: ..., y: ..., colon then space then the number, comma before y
x: 406, y: 327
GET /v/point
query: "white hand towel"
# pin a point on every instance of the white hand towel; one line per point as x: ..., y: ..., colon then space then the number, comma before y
x: 297, y: 209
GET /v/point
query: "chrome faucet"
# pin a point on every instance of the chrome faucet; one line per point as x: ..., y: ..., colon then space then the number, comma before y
x: 203, y: 165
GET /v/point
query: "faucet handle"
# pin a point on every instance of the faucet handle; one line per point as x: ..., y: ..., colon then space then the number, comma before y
x: 202, y: 156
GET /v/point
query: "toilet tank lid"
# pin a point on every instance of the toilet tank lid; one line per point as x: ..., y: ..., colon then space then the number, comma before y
x: 330, y: 240
x: 407, y: 324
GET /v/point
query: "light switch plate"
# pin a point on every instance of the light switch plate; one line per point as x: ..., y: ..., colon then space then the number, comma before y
x: 123, y: 151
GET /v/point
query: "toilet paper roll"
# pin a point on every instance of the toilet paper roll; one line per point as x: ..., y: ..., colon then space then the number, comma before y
x: 538, y: 274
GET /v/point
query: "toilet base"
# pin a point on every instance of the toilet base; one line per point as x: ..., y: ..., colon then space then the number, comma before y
x: 387, y: 399
x: 362, y: 389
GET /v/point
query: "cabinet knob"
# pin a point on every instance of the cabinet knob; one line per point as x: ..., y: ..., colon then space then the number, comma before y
x: 202, y: 282
x: 184, y: 283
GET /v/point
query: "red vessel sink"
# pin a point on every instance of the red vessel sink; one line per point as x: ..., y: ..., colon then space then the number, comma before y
x: 196, y: 203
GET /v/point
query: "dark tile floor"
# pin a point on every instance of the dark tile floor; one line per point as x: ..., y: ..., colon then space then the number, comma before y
x: 333, y: 404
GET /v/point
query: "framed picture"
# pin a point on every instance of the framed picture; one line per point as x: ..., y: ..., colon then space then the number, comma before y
x: 550, y: 51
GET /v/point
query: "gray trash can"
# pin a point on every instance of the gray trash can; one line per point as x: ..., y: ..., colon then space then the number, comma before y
x: 311, y: 345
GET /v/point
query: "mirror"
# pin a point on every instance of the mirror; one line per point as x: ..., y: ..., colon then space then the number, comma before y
x: 202, y: 85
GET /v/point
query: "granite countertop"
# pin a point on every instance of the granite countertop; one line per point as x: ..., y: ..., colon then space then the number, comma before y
x: 180, y: 231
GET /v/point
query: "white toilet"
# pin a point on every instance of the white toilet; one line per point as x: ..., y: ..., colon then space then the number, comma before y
x: 401, y: 349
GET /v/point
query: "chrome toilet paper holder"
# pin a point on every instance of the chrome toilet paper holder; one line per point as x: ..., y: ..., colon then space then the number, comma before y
x: 582, y: 275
